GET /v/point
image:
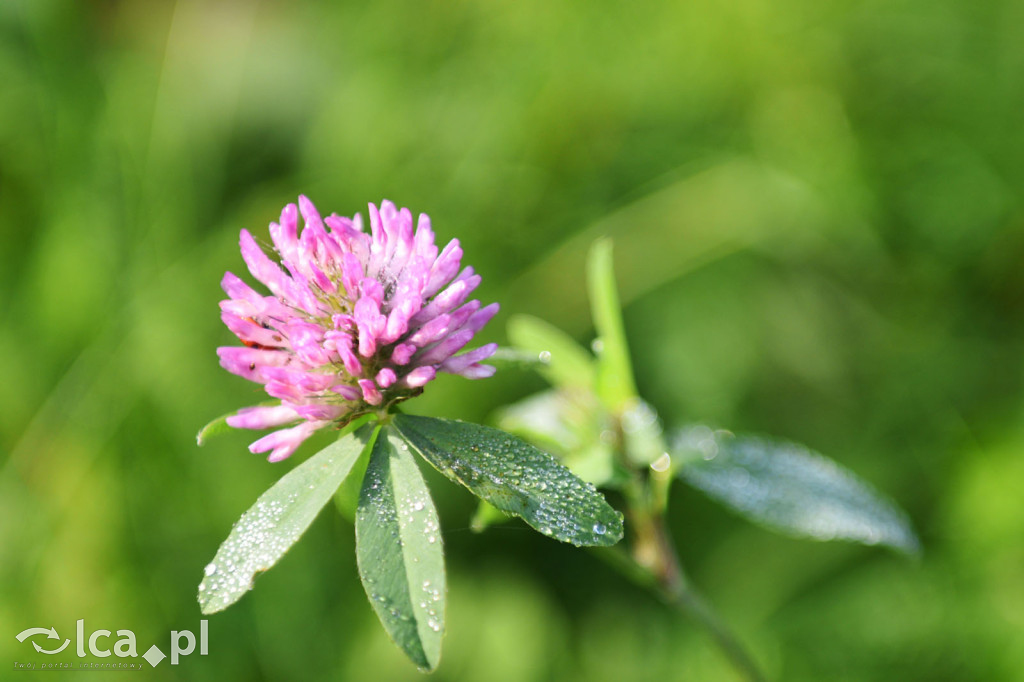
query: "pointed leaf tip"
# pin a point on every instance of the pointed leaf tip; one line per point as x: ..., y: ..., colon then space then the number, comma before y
x: 792, y: 490
x: 516, y: 478
x: 278, y: 519
x: 216, y: 427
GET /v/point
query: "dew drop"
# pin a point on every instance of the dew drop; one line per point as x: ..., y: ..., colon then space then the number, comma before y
x: 210, y: 569
x: 544, y: 356
x: 600, y: 528
x: 662, y: 463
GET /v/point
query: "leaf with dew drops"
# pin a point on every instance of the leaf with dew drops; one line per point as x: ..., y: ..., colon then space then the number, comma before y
x: 515, y: 477
x: 568, y: 425
x: 346, y: 499
x: 790, y: 489
x: 399, y: 551
x: 280, y: 516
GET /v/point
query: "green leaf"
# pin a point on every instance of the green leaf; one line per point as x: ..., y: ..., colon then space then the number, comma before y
x: 615, y: 385
x: 277, y: 520
x: 790, y: 489
x: 564, y: 363
x: 398, y: 549
x: 507, y: 357
x: 515, y: 477
x: 217, y: 427
x: 346, y: 499
x: 568, y: 425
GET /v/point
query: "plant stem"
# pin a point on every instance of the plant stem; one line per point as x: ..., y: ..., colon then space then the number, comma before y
x: 694, y: 605
x: 687, y: 601
x: 654, y: 565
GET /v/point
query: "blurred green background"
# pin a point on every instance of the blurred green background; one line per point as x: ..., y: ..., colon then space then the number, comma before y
x: 819, y: 235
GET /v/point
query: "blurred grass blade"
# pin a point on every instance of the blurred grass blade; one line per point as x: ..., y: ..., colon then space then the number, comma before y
x: 516, y: 478
x: 790, y: 489
x: 399, y: 552
x: 615, y: 385
x: 278, y: 519
x: 564, y: 362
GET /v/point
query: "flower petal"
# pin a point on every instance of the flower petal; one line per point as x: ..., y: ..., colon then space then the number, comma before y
x: 356, y: 319
x: 456, y: 364
x: 262, y: 417
x: 283, y: 443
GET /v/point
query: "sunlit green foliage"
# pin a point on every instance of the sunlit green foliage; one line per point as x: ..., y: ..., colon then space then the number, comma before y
x: 818, y: 235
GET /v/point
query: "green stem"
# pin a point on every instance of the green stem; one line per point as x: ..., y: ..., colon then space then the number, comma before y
x: 654, y: 566
x: 694, y: 605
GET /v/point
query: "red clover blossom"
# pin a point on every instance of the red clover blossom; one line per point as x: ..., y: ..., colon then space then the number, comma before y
x: 359, y: 321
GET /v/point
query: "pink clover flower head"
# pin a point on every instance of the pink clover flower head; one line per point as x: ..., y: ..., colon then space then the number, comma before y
x: 356, y: 321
